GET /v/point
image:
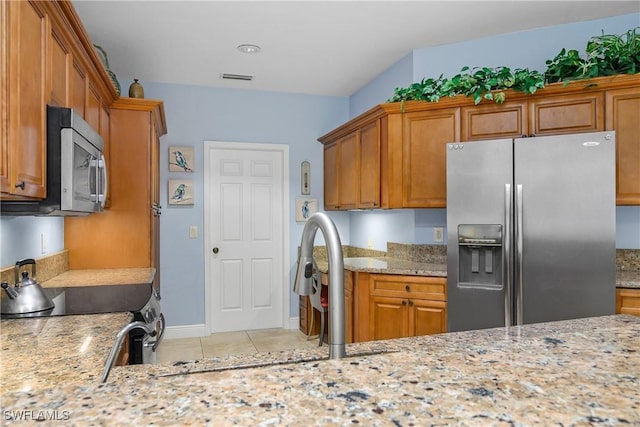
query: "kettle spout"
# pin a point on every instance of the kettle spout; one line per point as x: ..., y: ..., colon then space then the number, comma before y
x: 11, y: 292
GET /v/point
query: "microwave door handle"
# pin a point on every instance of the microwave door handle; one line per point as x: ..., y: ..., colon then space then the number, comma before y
x: 102, y: 197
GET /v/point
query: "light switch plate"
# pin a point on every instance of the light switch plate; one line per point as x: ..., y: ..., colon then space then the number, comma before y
x: 193, y: 231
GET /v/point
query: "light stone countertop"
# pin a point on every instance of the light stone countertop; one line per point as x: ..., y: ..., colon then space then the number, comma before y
x: 101, y: 277
x: 46, y: 352
x: 624, y: 278
x: 577, y: 372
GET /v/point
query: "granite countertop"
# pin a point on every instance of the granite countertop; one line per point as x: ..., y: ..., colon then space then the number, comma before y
x: 385, y: 265
x: 100, y: 277
x: 576, y: 372
x: 46, y: 352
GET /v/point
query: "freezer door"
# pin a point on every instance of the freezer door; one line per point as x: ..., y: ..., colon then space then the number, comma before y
x: 565, y: 226
x: 479, y: 179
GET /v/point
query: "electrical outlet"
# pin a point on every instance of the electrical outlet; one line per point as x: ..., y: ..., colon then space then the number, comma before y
x: 43, y: 244
x: 438, y: 234
x: 193, y: 232
x: 370, y: 243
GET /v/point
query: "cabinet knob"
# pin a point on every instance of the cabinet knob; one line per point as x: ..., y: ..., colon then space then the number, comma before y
x: 216, y: 250
x: 404, y: 302
x: 20, y: 185
x: 407, y: 288
x: 410, y: 303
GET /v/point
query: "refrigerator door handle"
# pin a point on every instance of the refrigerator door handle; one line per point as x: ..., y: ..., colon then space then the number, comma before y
x: 518, y: 263
x: 506, y: 256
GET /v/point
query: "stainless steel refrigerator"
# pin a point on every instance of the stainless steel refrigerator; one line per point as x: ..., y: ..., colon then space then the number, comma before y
x: 530, y: 230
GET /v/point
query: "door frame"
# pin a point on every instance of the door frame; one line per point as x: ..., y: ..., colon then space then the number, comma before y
x: 247, y: 146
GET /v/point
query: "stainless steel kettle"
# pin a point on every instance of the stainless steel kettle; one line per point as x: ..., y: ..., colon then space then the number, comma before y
x: 27, y: 296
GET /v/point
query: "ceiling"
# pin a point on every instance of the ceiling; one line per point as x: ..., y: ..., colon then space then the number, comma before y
x: 312, y: 47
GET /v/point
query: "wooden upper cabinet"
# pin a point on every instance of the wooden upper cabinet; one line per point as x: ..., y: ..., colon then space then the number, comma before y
x: 349, y: 171
x: 494, y: 121
x: 24, y: 149
x: 105, y: 133
x: 623, y: 112
x: 409, y: 139
x: 331, y: 179
x: 425, y: 136
x: 46, y: 58
x: 60, y: 71
x: 578, y: 113
x: 342, y: 173
x: 369, y: 174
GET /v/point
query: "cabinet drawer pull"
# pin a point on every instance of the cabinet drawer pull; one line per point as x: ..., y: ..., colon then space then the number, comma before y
x: 21, y: 185
x: 404, y: 302
x: 407, y: 288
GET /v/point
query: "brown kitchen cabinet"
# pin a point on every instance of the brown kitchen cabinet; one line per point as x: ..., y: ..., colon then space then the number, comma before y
x: 622, y: 110
x: 46, y: 58
x: 405, y: 306
x: 628, y: 301
x: 425, y: 136
x: 553, y: 115
x: 341, y: 180
x: 127, y: 234
x: 412, y: 135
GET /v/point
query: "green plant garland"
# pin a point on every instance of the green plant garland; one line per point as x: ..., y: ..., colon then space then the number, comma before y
x: 606, y: 55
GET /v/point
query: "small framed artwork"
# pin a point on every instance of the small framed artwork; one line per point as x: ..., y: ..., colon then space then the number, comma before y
x: 181, y: 159
x: 180, y: 192
x: 305, y: 208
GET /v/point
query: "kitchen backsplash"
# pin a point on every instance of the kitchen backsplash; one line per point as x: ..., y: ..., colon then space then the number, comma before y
x: 46, y: 268
x: 626, y: 259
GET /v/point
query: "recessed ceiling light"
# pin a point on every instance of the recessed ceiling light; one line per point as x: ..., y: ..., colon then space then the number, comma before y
x: 249, y: 48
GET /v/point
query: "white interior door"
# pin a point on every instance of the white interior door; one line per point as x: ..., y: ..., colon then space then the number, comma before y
x: 246, y: 236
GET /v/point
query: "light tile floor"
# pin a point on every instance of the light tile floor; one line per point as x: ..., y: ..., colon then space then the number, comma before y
x: 230, y: 343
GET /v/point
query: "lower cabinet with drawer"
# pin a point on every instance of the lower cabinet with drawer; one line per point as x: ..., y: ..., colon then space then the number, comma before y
x: 405, y: 306
x: 628, y: 301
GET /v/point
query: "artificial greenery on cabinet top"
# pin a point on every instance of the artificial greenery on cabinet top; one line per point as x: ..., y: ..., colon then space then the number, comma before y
x: 605, y: 55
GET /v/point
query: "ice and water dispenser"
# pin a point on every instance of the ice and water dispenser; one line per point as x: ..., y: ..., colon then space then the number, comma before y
x: 480, y: 256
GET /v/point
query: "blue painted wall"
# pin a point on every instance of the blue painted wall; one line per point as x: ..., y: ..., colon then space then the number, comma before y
x: 20, y: 238
x: 195, y: 114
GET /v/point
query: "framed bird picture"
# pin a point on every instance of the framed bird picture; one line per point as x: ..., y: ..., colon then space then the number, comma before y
x: 181, y: 159
x: 180, y: 192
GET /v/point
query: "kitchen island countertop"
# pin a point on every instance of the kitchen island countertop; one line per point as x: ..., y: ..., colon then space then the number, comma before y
x: 576, y: 372
x: 45, y: 352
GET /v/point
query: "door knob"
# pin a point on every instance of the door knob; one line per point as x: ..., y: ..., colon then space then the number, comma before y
x: 216, y: 250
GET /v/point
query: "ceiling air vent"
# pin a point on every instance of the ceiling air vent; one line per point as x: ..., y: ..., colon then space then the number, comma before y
x: 236, y: 76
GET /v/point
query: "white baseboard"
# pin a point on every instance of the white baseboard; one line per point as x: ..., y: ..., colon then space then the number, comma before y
x: 185, y: 331
x: 192, y: 331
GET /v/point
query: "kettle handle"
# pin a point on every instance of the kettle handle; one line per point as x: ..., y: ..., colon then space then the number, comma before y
x: 22, y: 262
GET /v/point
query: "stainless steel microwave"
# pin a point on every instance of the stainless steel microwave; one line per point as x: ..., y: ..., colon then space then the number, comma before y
x: 76, y: 169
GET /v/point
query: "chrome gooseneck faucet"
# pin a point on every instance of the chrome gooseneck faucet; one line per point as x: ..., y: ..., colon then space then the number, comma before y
x: 304, y: 277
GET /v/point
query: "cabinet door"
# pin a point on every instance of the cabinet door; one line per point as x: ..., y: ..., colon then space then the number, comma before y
x: 492, y: 121
x: 24, y: 173
x: 4, y: 102
x: 331, y: 177
x: 348, y: 306
x: 78, y: 88
x: 566, y: 114
x: 622, y: 116
x: 60, y: 70
x: 425, y: 136
x: 369, y: 175
x: 349, y: 170
x: 628, y: 301
x: 92, y: 108
x: 388, y: 318
x: 427, y: 317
